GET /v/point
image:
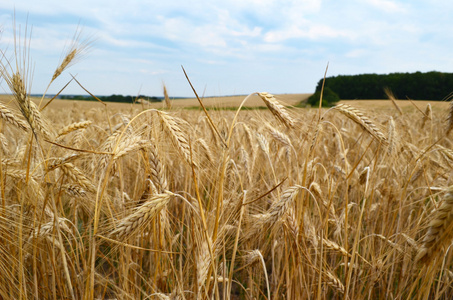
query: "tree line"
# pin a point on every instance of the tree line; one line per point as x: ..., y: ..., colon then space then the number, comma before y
x: 417, y: 86
x: 112, y: 98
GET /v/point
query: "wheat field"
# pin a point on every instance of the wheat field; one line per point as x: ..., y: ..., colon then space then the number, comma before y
x: 130, y: 202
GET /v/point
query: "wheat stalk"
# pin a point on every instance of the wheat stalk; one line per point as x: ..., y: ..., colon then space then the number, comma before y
x: 392, y: 98
x: 27, y: 107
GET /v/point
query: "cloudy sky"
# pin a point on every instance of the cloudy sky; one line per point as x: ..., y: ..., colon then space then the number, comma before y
x: 230, y: 46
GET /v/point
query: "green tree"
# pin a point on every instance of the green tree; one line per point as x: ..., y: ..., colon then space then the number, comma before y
x: 329, y: 98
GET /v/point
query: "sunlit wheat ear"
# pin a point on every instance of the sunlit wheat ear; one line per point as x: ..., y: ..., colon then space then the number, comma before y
x: 108, y: 146
x: 11, y: 118
x: 280, y: 136
x: 358, y: 117
x: 428, y: 114
x: 440, y: 229
x: 141, y: 217
x: 157, y: 169
x: 280, y: 207
x: 27, y: 107
x: 178, y: 137
x: 263, y: 143
x: 65, y: 63
x: 73, y: 127
x: 277, y: 109
x: 75, y: 50
x: 128, y: 145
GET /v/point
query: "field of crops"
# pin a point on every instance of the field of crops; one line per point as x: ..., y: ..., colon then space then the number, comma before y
x: 284, y: 203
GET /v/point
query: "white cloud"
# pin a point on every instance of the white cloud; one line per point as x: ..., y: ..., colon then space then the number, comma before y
x: 388, y: 6
x: 312, y: 31
x: 355, y: 53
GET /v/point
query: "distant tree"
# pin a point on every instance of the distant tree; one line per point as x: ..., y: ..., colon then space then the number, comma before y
x: 418, y: 86
x: 329, y: 98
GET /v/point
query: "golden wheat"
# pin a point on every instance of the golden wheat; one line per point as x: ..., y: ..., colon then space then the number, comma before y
x: 439, y: 229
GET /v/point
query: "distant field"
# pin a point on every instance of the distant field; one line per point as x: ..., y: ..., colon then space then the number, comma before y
x: 216, y: 102
x: 254, y: 101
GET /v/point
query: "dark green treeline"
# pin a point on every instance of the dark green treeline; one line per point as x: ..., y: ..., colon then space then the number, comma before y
x: 418, y: 86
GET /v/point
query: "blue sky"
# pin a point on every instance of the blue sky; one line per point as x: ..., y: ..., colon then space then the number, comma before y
x: 230, y: 46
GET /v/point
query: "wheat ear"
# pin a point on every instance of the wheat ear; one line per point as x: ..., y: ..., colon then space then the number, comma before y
x: 77, y: 176
x: 157, y: 169
x: 11, y: 118
x: 64, y: 64
x: 279, y: 208
x: 27, y: 107
x: 440, y: 229
x: 178, y: 137
x: 333, y: 282
x: 73, y: 127
x: 358, y: 117
x: 75, y: 50
x: 277, y: 109
x: 141, y: 216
